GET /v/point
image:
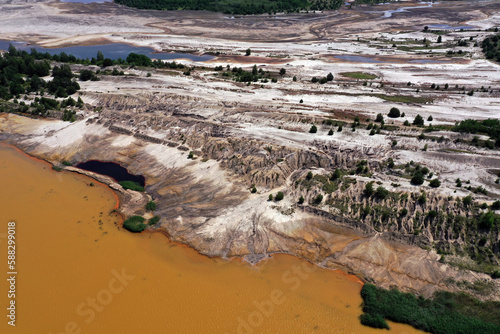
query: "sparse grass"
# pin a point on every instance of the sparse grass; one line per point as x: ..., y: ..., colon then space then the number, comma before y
x: 359, y: 75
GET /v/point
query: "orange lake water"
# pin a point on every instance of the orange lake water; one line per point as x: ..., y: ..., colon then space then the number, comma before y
x: 78, y: 272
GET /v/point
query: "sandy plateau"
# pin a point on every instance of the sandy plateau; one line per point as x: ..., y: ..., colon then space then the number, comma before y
x: 258, y: 134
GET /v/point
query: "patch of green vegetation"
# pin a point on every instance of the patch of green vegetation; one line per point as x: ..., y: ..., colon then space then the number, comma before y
x: 56, y: 168
x: 445, y: 313
x: 151, y: 206
x: 132, y: 186
x: 154, y: 220
x: 135, y: 224
x: 403, y: 98
x: 67, y: 163
x: 359, y: 75
x: 490, y: 127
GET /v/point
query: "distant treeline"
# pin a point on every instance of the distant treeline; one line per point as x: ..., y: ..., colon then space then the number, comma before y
x: 239, y: 7
x: 491, y: 47
x: 446, y: 313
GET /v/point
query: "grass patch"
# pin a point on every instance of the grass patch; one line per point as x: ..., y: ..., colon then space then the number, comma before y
x: 56, y: 168
x: 131, y: 185
x: 445, y: 313
x: 67, y: 163
x: 134, y: 224
x: 154, y: 220
x: 359, y: 75
x: 403, y: 98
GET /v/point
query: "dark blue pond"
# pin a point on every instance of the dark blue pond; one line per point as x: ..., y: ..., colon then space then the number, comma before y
x: 111, y: 169
x: 113, y: 51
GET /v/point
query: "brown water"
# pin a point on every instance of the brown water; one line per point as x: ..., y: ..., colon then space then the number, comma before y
x: 79, y: 273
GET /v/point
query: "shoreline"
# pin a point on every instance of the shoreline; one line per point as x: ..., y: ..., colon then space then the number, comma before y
x: 113, y: 186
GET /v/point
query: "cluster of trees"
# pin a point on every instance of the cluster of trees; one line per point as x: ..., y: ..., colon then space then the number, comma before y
x: 324, y: 80
x: 20, y: 73
x: 491, y: 47
x: 63, y: 83
x: 443, y: 314
x: 490, y: 127
x: 239, y: 7
x: 254, y: 75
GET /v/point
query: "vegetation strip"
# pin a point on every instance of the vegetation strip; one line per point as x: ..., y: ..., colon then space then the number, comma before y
x: 446, y: 313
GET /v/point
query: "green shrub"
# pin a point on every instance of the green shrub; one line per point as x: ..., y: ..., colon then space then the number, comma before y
x: 394, y: 113
x: 154, y: 220
x: 435, y: 183
x: 270, y: 197
x: 368, y: 189
x: 151, y: 206
x: 279, y: 196
x: 134, y: 224
x: 382, y: 193
x: 131, y: 185
x: 375, y: 321
x: 318, y: 199
x: 417, y: 179
x: 301, y: 200
x: 313, y: 129
x: 67, y: 163
x: 495, y: 205
x: 418, y: 121
x: 422, y: 198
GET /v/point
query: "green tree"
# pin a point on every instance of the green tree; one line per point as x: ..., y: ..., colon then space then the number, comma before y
x: 435, y: 183
x: 151, y: 206
x: 394, y: 113
x: 318, y: 199
x: 417, y: 178
x: 368, y: 189
x: 100, y: 56
x: 279, y: 196
x: 248, y: 52
x: 418, y: 121
x: 329, y: 77
x: 313, y: 129
x: 381, y: 193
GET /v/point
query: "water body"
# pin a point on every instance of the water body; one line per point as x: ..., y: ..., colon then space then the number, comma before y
x: 448, y: 27
x: 358, y: 59
x: 111, y: 169
x: 389, y: 13
x: 79, y: 273
x: 112, y: 51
